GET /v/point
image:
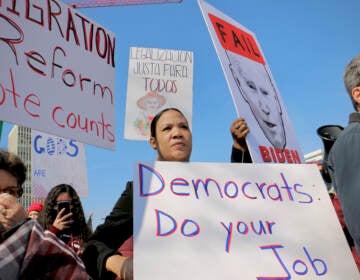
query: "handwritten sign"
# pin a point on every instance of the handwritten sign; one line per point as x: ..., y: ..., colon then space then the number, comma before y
x: 236, y: 221
x: 256, y: 97
x: 157, y: 79
x: 57, y: 71
x: 56, y: 160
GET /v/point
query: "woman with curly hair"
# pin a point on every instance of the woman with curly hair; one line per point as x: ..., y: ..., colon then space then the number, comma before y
x: 63, y: 215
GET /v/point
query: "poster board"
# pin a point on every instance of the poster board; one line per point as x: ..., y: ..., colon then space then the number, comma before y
x: 56, y: 160
x: 255, y: 95
x: 157, y: 79
x: 57, y: 71
x: 236, y: 221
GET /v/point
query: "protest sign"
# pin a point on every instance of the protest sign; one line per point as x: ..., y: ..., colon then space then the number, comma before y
x: 56, y: 160
x: 256, y: 97
x: 236, y: 221
x: 57, y: 71
x: 157, y: 79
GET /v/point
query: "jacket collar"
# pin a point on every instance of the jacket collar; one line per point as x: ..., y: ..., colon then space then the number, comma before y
x: 354, y: 117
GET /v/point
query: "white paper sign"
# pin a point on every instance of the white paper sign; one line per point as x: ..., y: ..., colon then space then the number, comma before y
x: 56, y: 160
x: 236, y: 221
x: 256, y: 97
x: 157, y: 79
x: 57, y: 71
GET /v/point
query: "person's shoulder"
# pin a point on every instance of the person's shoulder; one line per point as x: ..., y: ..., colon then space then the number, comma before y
x: 351, y: 130
x: 346, y: 140
x: 128, y: 191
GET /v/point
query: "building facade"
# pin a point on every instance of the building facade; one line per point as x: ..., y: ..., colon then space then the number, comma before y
x: 19, y: 142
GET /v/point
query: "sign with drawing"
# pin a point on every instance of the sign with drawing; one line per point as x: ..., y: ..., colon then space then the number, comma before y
x: 256, y: 97
x: 236, y: 221
x: 157, y: 79
x: 57, y: 71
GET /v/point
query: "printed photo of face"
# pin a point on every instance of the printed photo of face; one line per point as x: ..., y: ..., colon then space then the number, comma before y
x: 151, y: 105
x: 255, y: 85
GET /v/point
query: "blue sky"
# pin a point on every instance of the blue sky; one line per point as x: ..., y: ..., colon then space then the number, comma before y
x: 307, y: 45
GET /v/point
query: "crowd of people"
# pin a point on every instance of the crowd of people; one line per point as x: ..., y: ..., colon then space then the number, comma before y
x: 27, y: 250
x: 56, y: 232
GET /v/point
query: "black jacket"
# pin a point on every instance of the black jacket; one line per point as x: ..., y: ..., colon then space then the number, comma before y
x: 118, y: 227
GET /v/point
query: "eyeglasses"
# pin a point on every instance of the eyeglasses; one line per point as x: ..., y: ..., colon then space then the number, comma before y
x: 12, y: 190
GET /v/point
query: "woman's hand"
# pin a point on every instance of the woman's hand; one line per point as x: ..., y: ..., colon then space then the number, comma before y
x: 11, y: 212
x: 121, y: 266
x: 62, y: 221
x: 239, y: 130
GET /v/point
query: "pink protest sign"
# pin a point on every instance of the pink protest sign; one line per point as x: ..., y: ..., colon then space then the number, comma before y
x: 57, y: 71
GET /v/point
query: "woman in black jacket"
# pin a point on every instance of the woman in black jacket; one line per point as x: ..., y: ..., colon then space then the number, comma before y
x: 171, y: 137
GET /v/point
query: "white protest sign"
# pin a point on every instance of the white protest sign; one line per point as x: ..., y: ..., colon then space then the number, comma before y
x: 256, y: 97
x: 236, y: 221
x: 157, y: 79
x: 57, y: 71
x: 54, y: 161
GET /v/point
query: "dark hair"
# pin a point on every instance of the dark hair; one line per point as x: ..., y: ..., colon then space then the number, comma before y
x: 157, y: 117
x: 48, y: 214
x: 15, y: 166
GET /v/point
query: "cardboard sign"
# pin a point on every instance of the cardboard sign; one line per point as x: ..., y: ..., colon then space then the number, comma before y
x: 57, y: 71
x: 236, y: 221
x: 157, y: 79
x: 56, y: 160
x: 256, y: 97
